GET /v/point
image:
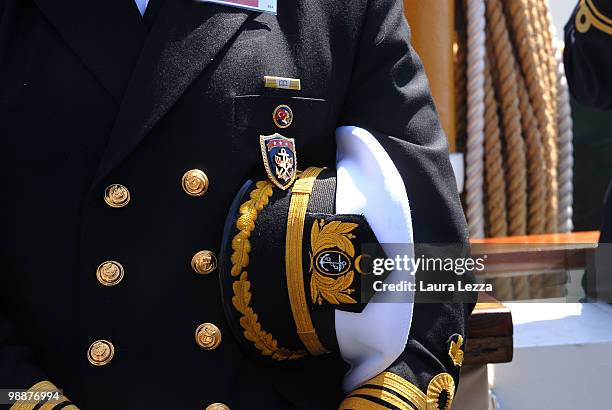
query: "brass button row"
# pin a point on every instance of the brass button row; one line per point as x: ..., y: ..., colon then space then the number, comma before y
x: 194, y: 183
x: 110, y: 273
x: 117, y: 196
x: 101, y: 352
x: 208, y: 336
x: 217, y: 406
x: 204, y: 262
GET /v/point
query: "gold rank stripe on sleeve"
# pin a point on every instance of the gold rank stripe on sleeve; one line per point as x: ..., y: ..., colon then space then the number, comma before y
x: 300, y: 196
x: 402, y: 387
x: 360, y: 403
x: 385, y: 396
x: 283, y: 83
x: 589, y: 15
x: 46, y: 387
x: 64, y: 405
x: 397, y: 392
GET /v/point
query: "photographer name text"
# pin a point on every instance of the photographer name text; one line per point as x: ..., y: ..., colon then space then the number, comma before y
x: 421, y: 286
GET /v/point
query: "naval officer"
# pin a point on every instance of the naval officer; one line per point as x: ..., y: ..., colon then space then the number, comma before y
x: 125, y: 132
x: 587, y: 56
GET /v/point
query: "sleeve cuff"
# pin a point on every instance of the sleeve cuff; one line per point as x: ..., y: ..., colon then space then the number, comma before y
x: 388, y: 390
x: 59, y: 402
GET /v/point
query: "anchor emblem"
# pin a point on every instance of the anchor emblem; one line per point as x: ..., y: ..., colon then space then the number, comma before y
x: 279, y: 158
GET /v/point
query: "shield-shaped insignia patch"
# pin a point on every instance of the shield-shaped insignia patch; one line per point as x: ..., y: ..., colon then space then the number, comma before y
x: 279, y: 158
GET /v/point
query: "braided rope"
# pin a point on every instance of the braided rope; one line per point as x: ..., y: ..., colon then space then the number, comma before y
x: 536, y: 220
x: 538, y: 43
x: 540, y: 99
x: 494, y: 165
x: 550, y: 286
x: 522, y: 92
x: 566, y: 148
x: 475, y: 117
x: 506, y: 86
x: 543, y: 44
x: 538, y: 183
x: 546, y: 23
x: 496, y: 185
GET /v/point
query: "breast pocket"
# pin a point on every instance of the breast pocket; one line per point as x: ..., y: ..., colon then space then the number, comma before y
x: 303, y: 119
x: 257, y: 113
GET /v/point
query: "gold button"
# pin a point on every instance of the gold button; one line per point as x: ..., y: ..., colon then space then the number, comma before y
x: 195, y: 182
x: 217, y: 406
x: 109, y: 273
x: 208, y: 336
x: 116, y: 196
x: 204, y: 262
x: 100, y: 352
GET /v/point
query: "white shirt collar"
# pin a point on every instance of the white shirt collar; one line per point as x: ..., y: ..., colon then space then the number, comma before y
x: 142, y: 6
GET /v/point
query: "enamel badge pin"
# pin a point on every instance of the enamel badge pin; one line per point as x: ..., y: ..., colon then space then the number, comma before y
x: 279, y: 158
x: 282, y: 116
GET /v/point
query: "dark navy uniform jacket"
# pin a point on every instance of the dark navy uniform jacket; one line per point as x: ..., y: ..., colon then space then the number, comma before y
x: 101, y: 115
x: 588, y: 58
x: 588, y: 53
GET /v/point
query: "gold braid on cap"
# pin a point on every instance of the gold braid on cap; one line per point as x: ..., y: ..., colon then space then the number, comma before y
x: 294, y: 241
x: 241, y: 246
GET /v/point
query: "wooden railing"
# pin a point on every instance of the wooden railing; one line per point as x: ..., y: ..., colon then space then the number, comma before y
x: 533, y: 258
x: 489, y: 333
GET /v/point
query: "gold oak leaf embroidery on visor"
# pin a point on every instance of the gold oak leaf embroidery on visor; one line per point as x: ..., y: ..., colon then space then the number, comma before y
x: 241, y: 246
x: 332, y: 285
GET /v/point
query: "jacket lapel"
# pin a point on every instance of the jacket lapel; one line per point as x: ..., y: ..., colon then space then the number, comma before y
x: 107, y: 35
x: 185, y: 38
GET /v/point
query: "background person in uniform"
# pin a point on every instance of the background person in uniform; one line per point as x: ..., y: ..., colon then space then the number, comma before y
x: 124, y: 138
x: 587, y: 58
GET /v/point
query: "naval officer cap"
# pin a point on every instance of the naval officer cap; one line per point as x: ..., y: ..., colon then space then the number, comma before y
x: 288, y: 261
x: 291, y: 276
